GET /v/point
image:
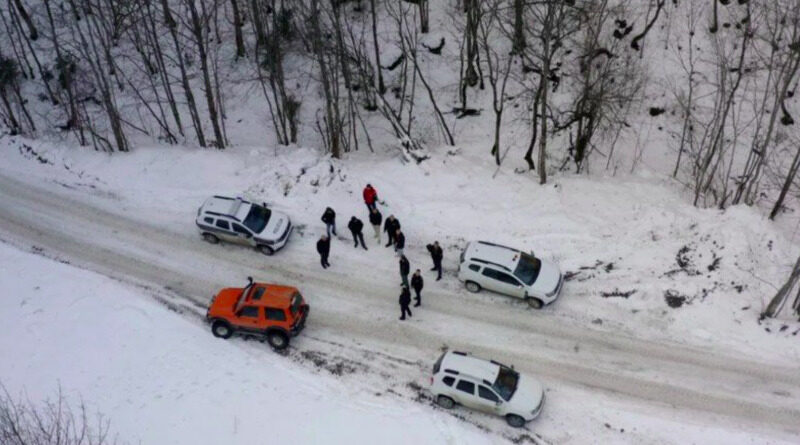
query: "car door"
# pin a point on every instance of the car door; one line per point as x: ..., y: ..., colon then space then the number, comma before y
x: 488, y: 401
x: 502, y: 282
x: 225, y: 232
x: 465, y: 393
x: 243, y: 235
x: 249, y: 318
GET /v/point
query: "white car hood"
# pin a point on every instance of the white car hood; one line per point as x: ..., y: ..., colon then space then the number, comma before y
x: 548, y: 278
x: 275, y: 227
x: 528, y: 395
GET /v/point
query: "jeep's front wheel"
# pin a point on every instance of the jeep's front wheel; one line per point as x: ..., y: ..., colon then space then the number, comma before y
x: 278, y: 340
x: 266, y: 250
x: 209, y: 238
x: 473, y: 287
x: 221, y: 329
x: 445, y: 402
x: 515, y: 421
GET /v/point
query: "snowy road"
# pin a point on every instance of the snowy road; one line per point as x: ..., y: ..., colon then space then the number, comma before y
x: 359, y: 306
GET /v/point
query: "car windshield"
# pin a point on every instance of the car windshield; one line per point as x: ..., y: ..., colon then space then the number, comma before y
x: 506, y: 383
x: 528, y: 268
x: 257, y: 218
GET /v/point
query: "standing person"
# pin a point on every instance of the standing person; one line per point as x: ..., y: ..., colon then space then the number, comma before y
x: 391, y: 226
x: 417, y: 283
x: 324, y: 248
x: 436, y: 255
x: 355, y: 225
x: 370, y: 197
x: 405, y: 301
x: 399, y: 242
x: 329, y: 218
x: 405, y: 268
x: 375, y: 218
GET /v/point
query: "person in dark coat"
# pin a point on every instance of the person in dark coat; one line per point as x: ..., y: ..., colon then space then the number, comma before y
x: 329, y: 218
x: 355, y: 225
x: 405, y: 301
x: 417, y: 283
x: 405, y: 268
x: 324, y: 248
x: 436, y: 255
x: 375, y: 218
x: 399, y: 242
x: 370, y: 197
x: 390, y: 226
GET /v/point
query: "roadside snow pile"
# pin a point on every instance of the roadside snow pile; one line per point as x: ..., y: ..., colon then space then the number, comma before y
x: 162, y: 378
x: 638, y: 257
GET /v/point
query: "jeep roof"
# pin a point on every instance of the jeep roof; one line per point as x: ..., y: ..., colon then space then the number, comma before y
x: 486, y: 252
x: 235, y: 208
x: 464, y: 364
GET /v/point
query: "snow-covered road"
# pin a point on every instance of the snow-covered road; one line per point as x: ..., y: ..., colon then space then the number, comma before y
x: 357, y: 305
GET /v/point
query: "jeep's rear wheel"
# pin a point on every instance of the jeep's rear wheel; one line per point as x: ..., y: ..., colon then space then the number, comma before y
x: 445, y: 402
x: 515, y: 421
x: 473, y: 286
x: 221, y: 329
x: 266, y: 250
x: 209, y: 238
x: 278, y: 340
x: 535, y: 302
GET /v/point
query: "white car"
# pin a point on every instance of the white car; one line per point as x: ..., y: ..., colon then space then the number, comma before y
x: 510, y: 271
x: 243, y: 222
x: 486, y: 386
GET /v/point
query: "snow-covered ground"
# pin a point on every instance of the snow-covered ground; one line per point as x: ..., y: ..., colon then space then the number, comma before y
x: 614, y: 236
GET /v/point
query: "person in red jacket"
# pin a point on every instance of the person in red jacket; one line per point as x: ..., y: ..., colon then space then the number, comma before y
x: 370, y: 197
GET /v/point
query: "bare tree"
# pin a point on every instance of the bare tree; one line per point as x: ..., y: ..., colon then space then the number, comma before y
x: 779, y: 300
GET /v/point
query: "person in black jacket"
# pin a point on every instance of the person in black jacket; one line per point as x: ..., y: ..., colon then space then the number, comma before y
x: 399, y: 242
x: 436, y: 255
x: 416, y: 283
x: 405, y: 268
x: 390, y: 226
x: 324, y: 248
x: 355, y: 225
x: 375, y: 218
x: 405, y: 301
x: 329, y: 218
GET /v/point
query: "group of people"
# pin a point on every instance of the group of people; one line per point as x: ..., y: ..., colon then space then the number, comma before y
x: 396, y: 238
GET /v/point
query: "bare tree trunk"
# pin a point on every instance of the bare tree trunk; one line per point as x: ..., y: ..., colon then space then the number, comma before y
x: 201, y: 39
x: 779, y: 300
x: 518, y: 41
x: 32, y: 32
x: 378, y: 68
x: 786, y: 184
x: 237, y: 27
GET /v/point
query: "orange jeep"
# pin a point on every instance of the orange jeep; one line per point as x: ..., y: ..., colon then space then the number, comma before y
x: 268, y: 310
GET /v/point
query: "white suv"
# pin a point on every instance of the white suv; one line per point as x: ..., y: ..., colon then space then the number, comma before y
x: 486, y: 386
x: 243, y: 222
x: 510, y: 271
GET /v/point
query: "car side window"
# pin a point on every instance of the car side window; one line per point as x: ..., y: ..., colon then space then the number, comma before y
x: 486, y: 393
x: 500, y: 276
x: 249, y: 311
x: 448, y: 381
x: 239, y: 229
x: 474, y: 267
x: 467, y: 387
x: 208, y: 220
x: 223, y: 225
x: 275, y: 314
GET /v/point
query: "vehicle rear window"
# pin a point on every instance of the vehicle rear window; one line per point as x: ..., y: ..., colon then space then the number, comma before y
x: 448, y: 381
x: 467, y: 387
x: 297, y: 300
x: 209, y: 220
x: 474, y: 267
x: 275, y: 314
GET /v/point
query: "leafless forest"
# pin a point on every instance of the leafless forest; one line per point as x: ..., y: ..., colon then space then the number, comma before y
x: 577, y: 77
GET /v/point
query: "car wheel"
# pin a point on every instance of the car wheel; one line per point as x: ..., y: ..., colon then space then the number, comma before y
x: 473, y: 286
x: 209, y: 238
x: 515, y: 421
x: 221, y: 329
x: 278, y: 340
x: 535, y: 302
x: 266, y: 250
x: 445, y: 402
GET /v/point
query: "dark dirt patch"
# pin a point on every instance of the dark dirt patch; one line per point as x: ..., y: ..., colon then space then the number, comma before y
x: 338, y: 366
x: 674, y: 299
x: 618, y: 293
